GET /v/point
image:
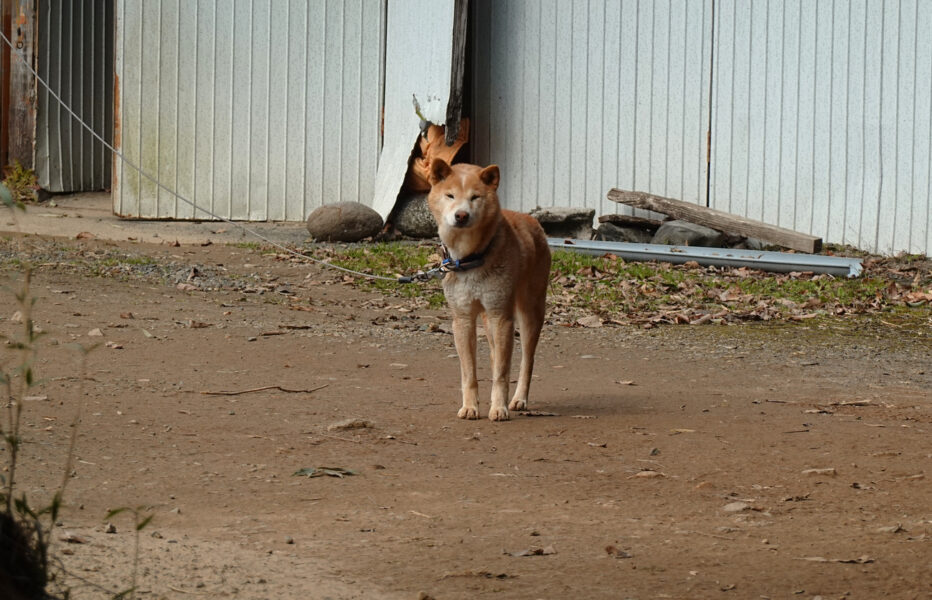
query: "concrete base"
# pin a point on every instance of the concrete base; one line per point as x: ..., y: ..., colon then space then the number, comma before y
x: 92, y: 213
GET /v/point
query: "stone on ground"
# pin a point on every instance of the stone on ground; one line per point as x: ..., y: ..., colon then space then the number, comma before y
x: 343, y: 222
x: 412, y: 218
x: 684, y: 233
x: 566, y: 222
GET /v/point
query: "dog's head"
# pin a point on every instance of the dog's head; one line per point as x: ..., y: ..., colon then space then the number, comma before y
x: 463, y: 196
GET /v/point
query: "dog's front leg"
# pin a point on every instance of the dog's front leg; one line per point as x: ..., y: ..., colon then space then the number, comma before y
x: 501, y: 331
x: 464, y: 336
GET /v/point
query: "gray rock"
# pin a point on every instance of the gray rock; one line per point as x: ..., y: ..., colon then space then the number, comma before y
x: 566, y: 222
x: 609, y: 232
x: 749, y: 244
x: 412, y: 218
x: 684, y: 233
x: 343, y: 222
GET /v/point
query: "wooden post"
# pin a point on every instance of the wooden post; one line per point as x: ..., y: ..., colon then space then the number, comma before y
x: 20, y: 128
x: 4, y: 83
x: 719, y: 220
x: 455, y: 103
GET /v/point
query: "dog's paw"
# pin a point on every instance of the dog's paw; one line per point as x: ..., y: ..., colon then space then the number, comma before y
x: 517, y: 404
x: 499, y: 413
x: 468, y: 413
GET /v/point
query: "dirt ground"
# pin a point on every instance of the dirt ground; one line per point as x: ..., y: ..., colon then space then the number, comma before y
x: 750, y: 461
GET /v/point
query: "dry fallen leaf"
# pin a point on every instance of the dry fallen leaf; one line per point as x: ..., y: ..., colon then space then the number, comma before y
x: 468, y: 573
x: 861, y: 560
x: 647, y: 474
x: 830, y: 472
x: 322, y: 471
x: 72, y: 538
x: 350, y: 424
x: 591, y: 322
x: 736, y: 507
x: 545, y: 551
x: 616, y: 552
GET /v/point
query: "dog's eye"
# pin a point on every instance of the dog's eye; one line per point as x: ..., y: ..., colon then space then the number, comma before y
x: 474, y: 198
x: 450, y: 196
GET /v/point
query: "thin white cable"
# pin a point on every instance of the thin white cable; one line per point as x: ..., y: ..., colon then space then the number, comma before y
x: 176, y: 194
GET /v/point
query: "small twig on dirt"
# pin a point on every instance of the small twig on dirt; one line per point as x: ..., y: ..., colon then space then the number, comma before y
x: 851, y: 403
x: 181, y: 591
x: 262, y: 389
x: 342, y: 439
x: 711, y: 535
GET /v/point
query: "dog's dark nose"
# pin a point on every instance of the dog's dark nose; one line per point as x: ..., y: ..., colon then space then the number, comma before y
x: 461, y: 217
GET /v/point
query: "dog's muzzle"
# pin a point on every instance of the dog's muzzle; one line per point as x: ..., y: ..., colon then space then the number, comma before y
x: 461, y: 218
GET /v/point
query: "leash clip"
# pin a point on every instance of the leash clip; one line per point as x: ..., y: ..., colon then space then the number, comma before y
x: 435, y: 273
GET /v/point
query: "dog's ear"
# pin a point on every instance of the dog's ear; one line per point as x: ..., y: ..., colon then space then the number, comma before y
x: 490, y: 176
x: 439, y: 170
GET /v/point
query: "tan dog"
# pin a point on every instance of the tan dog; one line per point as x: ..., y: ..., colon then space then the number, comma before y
x: 498, y: 266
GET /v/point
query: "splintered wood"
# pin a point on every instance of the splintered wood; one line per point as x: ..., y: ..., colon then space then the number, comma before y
x: 431, y: 147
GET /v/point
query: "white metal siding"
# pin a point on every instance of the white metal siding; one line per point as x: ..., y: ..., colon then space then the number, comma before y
x: 574, y: 98
x: 821, y: 118
x: 253, y: 109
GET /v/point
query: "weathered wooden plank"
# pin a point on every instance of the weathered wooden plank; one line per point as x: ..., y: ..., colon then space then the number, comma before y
x: 631, y: 221
x: 21, y: 132
x: 719, y: 220
x: 458, y: 66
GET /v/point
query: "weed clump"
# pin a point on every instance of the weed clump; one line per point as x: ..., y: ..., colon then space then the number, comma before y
x: 23, y: 560
x: 25, y: 532
x: 21, y: 182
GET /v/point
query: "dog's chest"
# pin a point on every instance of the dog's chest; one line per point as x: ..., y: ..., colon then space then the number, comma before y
x: 490, y: 286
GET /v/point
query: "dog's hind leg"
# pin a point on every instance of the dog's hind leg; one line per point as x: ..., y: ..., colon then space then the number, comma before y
x: 530, y: 321
x: 464, y: 336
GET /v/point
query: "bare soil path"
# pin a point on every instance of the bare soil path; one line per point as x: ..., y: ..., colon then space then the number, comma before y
x: 751, y: 461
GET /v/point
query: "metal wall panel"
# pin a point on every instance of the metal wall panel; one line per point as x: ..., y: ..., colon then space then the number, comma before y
x: 75, y: 57
x: 821, y: 119
x: 574, y: 98
x: 252, y: 109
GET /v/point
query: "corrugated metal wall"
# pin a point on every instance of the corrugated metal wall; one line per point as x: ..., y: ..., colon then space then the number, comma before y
x: 820, y: 110
x: 821, y: 119
x: 75, y: 57
x: 574, y: 98
x: 253, y: 109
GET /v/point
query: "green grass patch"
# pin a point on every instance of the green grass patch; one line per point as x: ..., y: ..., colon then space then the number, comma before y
x: 394, y: 259
x: 617, y: 289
